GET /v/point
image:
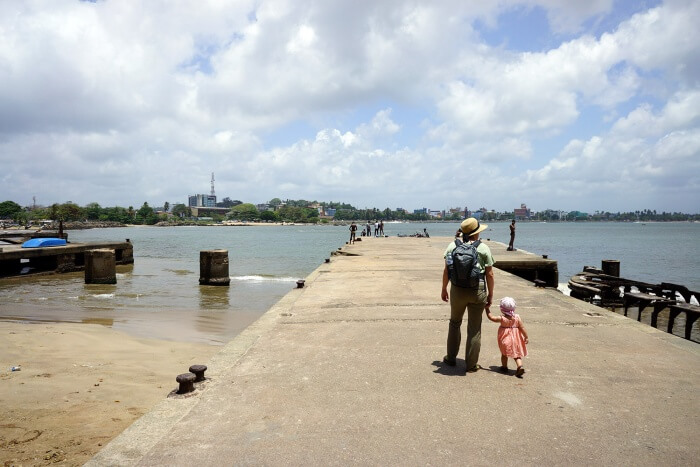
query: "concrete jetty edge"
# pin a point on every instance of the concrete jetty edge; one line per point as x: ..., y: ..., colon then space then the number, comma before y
x: 348, y: 371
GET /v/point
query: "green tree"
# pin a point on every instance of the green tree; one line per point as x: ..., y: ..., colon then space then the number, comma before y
x: 269, y: 216
x: 93, y: 211
x: 146, y: 215
x: 9, y: 209
x: 228, y: 203
x: 180, y: 210
x: 244, y: 212
x: 166, y: 206
x: 66, y: 212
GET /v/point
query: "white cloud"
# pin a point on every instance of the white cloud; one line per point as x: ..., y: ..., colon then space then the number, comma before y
x: 130, y: 100
x: 645, y: 154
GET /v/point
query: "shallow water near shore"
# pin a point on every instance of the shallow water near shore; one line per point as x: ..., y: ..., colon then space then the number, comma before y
x: 160, y: 296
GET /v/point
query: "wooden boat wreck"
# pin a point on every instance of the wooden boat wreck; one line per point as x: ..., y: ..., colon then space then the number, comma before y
x: 611, y: 291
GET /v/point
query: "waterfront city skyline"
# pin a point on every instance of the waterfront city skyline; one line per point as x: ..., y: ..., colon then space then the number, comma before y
x: 557, y: 105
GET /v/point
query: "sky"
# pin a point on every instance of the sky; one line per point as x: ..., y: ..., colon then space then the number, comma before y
x: 590, y: 106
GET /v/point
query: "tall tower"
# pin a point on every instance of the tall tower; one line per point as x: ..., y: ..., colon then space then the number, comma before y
x: 212, y: 184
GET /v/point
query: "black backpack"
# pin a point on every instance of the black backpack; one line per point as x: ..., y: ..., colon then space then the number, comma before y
x: 464, y: 269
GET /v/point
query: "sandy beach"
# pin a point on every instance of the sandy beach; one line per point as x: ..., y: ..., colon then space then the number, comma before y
x: 80, y: 385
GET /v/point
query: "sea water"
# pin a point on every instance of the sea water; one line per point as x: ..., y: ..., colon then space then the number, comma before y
x: 159, y: 295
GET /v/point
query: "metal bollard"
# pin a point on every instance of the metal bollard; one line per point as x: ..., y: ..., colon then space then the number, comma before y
x: 611, y: 267
x: 198, y: 371
x: 300, y: 283
x: 186, y: 381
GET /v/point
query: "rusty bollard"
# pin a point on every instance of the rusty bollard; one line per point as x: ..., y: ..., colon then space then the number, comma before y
x: 300, y: 283
x: 611, y: 267
x: 328, y: 260
x: 186, y: 381
x: 198, y: 371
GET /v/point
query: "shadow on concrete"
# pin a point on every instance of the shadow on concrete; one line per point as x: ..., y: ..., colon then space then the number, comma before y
x: 447, y: 370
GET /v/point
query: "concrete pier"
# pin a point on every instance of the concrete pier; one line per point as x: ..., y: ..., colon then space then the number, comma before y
x: 58, y: 259
x: 348, y: 370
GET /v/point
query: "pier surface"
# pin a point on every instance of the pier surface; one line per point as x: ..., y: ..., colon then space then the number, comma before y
x: 348, y: 370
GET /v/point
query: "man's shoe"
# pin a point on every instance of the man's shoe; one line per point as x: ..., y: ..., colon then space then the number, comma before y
x: 474, y: 369
x: 449, y: 361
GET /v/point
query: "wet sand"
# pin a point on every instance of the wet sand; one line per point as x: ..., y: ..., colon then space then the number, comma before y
x: 79, y: 386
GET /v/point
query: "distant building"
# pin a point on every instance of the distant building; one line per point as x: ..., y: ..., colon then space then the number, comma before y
x: 522, y: 213
x: 420, y: 211
x: 264, y: 207
x: 458, y: 212
x: 577, y: 215
x: 206, y: 201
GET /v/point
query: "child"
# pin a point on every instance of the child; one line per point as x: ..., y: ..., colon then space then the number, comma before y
x: 512, y: 335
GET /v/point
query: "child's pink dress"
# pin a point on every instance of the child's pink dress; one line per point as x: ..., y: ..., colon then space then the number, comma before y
x: 510, y: 340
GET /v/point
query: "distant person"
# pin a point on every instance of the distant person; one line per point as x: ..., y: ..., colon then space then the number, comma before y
x: 381, y: 228
x: 376, y: 229
x: 512, y: 336
x: 425, y: 232
x: 512, y: 236
x: 473, y: 300
x: 368, y: 227
x: 353, y: 231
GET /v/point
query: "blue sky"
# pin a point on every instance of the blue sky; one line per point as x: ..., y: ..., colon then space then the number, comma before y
x: 562, y: 105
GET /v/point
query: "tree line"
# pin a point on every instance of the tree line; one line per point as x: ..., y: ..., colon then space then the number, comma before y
x: 297, y: 211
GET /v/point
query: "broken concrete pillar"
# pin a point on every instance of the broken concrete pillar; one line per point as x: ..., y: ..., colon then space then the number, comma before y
x: 213, y: 267
x: 100, y: 267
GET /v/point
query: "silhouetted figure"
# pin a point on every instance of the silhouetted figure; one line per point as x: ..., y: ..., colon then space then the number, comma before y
x: 512, y: 235
x: 353, y: 231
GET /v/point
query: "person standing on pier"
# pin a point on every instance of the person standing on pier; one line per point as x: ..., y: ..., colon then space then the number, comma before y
x: 353, y: 231
x: 471, y: 300
x: 512, y: 235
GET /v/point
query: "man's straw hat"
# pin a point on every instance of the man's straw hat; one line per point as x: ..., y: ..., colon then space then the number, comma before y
x: 471, y: 226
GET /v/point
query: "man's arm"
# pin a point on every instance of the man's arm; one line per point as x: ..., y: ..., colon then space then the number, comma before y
x: 445, y: 281
x: 489, y: 285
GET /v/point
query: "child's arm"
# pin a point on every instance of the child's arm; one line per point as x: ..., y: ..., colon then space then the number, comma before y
x: 495, y: 319
x: 522, y: 329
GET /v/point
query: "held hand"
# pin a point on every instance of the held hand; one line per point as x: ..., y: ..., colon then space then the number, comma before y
x: 489, y: 300
x: 445, y: 297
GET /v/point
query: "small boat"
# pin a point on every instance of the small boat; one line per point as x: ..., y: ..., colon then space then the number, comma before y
x: 43, y: 242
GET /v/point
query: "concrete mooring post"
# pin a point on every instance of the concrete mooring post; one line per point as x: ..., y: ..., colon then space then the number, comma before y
x: 213, y: 267
x: 100, y: 267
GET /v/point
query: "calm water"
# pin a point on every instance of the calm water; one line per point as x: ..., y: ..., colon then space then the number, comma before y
x: 159, y: 296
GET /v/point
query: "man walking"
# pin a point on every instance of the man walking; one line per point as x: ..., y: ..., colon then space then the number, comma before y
x: 471, y: 300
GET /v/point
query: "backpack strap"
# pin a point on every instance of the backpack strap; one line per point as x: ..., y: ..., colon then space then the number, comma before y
x: 458, y: 242
x: 476, y: 245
